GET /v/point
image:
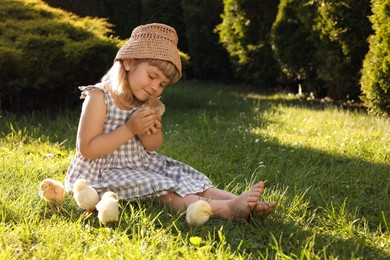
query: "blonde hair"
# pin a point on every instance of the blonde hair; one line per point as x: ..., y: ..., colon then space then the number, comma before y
x: 117, y: 76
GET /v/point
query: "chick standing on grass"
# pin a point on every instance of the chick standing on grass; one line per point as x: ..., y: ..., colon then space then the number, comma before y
x: 52, y: 191
x: 108, y: 208
x: 198, y: 213
x: 85, y: 196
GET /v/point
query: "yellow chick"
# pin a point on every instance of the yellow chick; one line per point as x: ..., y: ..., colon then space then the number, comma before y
x: 108, y: 208
x: 85, y: 196
x: 52, y: 191
x: 155, y: 103
x: 198, y: 213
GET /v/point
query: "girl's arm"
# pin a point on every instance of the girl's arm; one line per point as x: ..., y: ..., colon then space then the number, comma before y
x: 91, y: 140
x: 153, y: 139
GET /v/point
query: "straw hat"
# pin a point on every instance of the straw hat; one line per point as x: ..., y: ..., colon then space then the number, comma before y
x: 154, y: 41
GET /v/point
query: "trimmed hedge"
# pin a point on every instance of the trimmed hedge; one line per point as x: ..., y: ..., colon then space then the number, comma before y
x: 375, y: 79
x: 45, y: 53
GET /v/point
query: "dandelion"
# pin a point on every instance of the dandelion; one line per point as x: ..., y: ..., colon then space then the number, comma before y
x: 195, y: 240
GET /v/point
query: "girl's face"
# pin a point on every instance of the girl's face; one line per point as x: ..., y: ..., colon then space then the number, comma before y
x: 146, y: 80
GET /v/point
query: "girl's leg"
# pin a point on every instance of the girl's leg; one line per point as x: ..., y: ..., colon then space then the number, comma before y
x: 239, y: 207
x: 262, y: 208
x: 217, y: 194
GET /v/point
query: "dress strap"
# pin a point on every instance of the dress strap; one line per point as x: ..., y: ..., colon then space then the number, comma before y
x: 85, y: 89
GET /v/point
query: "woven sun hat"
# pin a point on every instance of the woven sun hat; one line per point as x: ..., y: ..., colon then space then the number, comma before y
x: 152, y: 41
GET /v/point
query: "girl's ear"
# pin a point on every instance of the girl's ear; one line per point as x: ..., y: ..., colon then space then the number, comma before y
x: 127, y: 64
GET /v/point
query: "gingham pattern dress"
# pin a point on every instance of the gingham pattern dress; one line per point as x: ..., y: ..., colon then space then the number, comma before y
x: 131, y: 171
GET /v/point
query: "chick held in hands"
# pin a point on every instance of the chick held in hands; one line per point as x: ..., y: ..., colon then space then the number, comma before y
x: 85, y: 196
x: 198, y: 213
x: 52, y: 191
x: 108, y: 208
x: 155, y: 103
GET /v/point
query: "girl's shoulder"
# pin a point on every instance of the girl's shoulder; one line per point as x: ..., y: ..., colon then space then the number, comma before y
x: 85, y: 90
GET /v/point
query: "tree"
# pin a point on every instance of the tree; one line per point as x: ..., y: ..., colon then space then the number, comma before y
x: 208, y: 58
x: 294, y: 44
x: 169, y: 12
x: 125, y: 15
x: 375, y: 79
x: 342, y: 27
x: 245, y: 33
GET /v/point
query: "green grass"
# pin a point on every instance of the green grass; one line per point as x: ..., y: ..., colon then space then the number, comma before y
x: 327, y: 167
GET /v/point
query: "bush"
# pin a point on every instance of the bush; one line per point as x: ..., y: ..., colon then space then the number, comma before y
x: 123, y: 14
x: 46, y: 53
x: 294, y: 44
x: 208, y: 59
x: 375, y: 79
x: 245, y: 33
x: 342, y: 27
x: 169, y: 12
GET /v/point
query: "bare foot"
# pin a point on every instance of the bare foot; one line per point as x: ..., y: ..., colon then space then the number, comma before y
x: 264, y: 208
x: 242, y: 206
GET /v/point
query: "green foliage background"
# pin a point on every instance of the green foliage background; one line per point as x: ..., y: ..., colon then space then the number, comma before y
x: 45, y: 53
x: 376, y: 67
x: 245, y: 33
x: 317, y: 44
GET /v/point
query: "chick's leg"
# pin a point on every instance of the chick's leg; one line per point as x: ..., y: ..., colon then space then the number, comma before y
x: 88, y: 213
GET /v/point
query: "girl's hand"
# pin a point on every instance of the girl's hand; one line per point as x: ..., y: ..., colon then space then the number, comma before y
x: 153, y: 137
x: 155, y: 129
x: 142, y: 121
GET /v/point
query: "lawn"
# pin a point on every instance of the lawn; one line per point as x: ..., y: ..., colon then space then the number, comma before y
x: 328, y: 168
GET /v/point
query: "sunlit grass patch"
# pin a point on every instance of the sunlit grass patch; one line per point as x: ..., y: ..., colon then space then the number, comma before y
x: 327, y: 167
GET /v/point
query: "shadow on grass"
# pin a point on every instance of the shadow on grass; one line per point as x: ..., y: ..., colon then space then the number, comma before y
x: 359, y: 187
x: 335, y: 184
x: 188, y: 96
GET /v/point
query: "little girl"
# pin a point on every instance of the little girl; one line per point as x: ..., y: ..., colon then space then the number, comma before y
x: 117, y: 136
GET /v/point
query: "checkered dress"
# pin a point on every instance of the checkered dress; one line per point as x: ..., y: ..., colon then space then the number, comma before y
x: 130, y: 171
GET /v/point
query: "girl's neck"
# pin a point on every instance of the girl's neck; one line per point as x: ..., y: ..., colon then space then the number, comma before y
x: 120, y: 103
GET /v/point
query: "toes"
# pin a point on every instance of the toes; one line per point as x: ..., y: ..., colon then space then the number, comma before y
x: 261, y: 185
x: 251, y: 203
x: 254, y: 194
x: 264, y: 208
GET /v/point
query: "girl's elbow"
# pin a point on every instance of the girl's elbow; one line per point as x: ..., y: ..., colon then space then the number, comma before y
x: 151, y: 148
x: 86, y: 153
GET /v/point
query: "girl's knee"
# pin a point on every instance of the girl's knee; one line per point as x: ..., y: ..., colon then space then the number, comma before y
x: 167, y: 197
